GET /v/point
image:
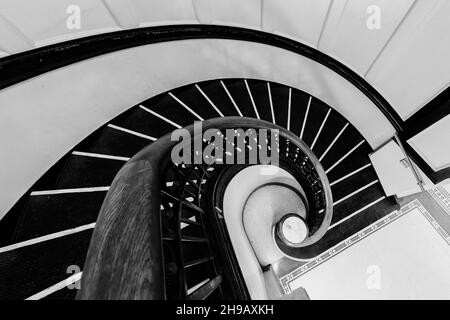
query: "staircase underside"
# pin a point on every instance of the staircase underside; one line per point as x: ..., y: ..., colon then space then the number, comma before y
x: 49, y: 229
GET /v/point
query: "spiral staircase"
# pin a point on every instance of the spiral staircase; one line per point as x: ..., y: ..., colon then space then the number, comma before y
x: 50, y: 228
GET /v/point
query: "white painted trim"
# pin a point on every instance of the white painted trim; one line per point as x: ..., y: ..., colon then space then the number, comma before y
x: 231, y: 98
x: 99, y: 155
x: 344, y: 156
x: 306, y: 116
x: 251, y: 98
x: 56, y: 287
x: 356, y: 212
x: 271, y: 102
x: 73, y: 190
x: 186, y: 107
x: 138, y: 134
x: 209, y: 100
x: 288, y: 126
x: 350, y: 174
x: 183, y: 225
x: 197, y: 286
x: 47, y: 237
x: 176, y: 125
x: 355, y: 192
x: 320, y: 129
x: 333, y: 142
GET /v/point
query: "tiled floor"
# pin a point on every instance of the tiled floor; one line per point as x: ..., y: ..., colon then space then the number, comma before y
x: 403, y: 256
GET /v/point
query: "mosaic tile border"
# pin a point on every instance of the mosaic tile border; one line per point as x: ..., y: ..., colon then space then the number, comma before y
x: 442, y: 197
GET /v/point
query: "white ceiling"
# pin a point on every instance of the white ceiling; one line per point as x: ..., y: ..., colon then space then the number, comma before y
x: 406, y: 59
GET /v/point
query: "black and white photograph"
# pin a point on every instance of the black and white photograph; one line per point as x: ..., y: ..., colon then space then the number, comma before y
x: 239, y: 152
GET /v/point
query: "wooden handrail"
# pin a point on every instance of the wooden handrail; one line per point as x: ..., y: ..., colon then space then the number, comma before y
x: 125, y: 254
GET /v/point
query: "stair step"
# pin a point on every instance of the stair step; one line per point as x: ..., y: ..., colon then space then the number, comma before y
x: 354, y: 182
x: 87, y: 171
x: 331, y: 129
x: 356, y: 202
x: 280, y: 100
x: 316, y: 115
x: 195, y: 97
x: 348, y: 140
x: 192, y: 239
x: 241, y: 96
x: 115, y: 142
x: 206, y: 289
x: 217, y: 94
x: 46, y: 214
x: 187, y: 221
x: 260, y: 95
x: 31, y: 269
x: 352, y: 162
x: 142, y: 121
x: 299, y: 103
x: 192, y: 231
x: 196, y: 262
x: 198, y: 273
x: 186, y: 239
x: 167, y: 106
x: 194, y: 251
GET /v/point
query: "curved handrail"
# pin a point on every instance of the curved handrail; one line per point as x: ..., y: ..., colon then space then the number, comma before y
x: 124, y: 260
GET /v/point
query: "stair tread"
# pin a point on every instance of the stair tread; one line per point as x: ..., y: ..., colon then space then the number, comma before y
x: 142, y: 121
x: 353, y: 182
x: 85, y: 171
x: 31, y: 269
x: 260, y: 95
x: 347, y: 141
x: 46, y: 214
x: 217, y: 94
x: 352, y: 162
x: 316, y: 115
x: 280, y: 102
x: 334, y: 124
x: 356, y: 202
x: 299, y: 103
x: 115, y: 142
x: 239, y: 92
x: 167, y: 106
